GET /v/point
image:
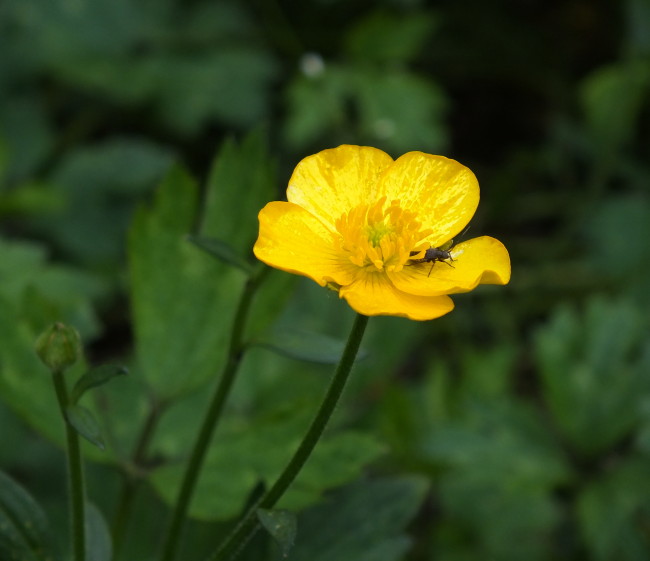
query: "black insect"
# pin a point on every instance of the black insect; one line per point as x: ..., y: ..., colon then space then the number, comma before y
x: 433, y: 255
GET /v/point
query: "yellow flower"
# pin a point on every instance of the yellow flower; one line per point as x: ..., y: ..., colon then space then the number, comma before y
x: 361, y: 223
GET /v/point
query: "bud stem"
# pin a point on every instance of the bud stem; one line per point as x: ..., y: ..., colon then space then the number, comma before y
x: 76, y: 484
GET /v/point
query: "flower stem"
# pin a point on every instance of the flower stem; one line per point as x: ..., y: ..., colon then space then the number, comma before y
x: 247, y: 527
x: 75, y: 473
x: 212, y: 416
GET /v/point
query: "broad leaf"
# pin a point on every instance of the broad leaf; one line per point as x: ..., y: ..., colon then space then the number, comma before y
x: 613, y: 511
x: 182, y: 300
x: 94, y: 378
x: 235, y: 465
x: 241, y: 182
x: 579, y: 355
x: 364, y: 521
x: 24, y: 529
x: 99, y: 546
x: 83, y: 421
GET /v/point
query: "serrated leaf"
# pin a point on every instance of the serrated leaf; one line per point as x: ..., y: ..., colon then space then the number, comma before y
x: 234, y: 465
x: 242, y: 180
x: 96, y: 377
x: 384, y: 38
x: 611, y: 512
x: 364, y: 521
x: 24, y: 529
x: 301, y: 345
x: 99, y: 546
x: 281, y: 525
x: 100, y: 184
x: 83, y: 421
x: 222, y: 251
x: 593, y: 373
x: 182, y: 302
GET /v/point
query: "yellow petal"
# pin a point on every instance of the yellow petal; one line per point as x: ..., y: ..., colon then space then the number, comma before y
x: 334, y: 181
x: 374, y: 295
x: 442, y: 192
x: 483, y: 260
x: 295, y: 241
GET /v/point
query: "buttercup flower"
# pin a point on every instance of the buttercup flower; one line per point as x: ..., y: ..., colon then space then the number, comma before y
x: 361, y: 223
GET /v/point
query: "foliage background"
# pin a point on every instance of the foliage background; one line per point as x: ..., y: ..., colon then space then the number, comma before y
x: 516, y: 427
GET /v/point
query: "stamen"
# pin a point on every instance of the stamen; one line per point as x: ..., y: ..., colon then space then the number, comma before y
x: 380, y: 237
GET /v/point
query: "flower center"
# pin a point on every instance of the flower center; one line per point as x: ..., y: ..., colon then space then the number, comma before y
x: 380, y: 237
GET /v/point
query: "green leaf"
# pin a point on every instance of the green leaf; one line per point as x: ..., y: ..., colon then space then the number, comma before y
x: 316, y: 105
x: 242, y: 180
x: 61, y: 293
x: 182, y: 301
x: 100, y: 184
x: 227, y: 85
x: 364, y: 521
x: 502, y: 468
x: 222, y: 251
x: 612, y: 98
x: 335, y: 461
x: 99, y: 545
x: 281, y: 525
x: 300, y: 345
x: 386, y: 38
x: 94, y: 378
x: 593, y: 371
x: 613, y: 511
x: 83, y: 421
x: 385, y: 119
x: 24, y: 529
x: 234, y: 465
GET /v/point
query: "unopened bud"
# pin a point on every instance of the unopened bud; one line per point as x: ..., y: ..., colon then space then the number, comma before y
x: 59, y: 347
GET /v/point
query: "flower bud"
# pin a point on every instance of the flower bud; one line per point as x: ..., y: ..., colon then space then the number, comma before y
x: 59, y: 347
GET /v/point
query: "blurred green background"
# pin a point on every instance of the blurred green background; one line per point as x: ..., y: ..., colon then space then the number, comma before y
x: 517, y: 427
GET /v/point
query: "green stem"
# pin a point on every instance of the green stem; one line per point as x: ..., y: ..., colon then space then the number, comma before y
x: 75, y: 473
x: 249, y: 524
x: 213, y: 414
x: 132, y: 475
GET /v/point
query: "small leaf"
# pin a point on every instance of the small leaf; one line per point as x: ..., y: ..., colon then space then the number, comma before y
x: 83, y: 421
x: 25, y: 532
x: 362, y: 521
x: 96, y: 377
x: 301, y: 345
x: 98, y: 539
x: 222, y: 251
x: 281, y: 524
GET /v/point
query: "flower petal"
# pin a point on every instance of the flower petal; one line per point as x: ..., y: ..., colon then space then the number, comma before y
x: 442, y: 192
x: 335, y: 181
x: 374, y: 295
x: 483, y: 260
x: 295, y: 241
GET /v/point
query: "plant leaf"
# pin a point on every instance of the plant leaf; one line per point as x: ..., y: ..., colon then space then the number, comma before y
x: 182, y: 302
x: 25, y: 532
x: 222, y: 251
x: 99, y: 546
x: 302, y: 345
x: 281, y: 525
x: 83, y: 421
x: 96, y: 377
x: 364, y: 521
